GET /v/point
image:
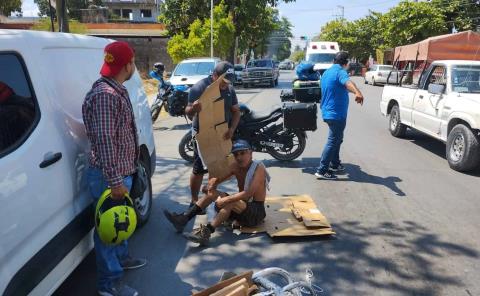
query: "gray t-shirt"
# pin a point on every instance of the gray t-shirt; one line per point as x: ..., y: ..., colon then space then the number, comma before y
x: 229, y: 98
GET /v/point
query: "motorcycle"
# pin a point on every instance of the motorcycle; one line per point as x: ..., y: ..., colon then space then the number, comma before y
x: 173, y: 98
x: 264, y: 132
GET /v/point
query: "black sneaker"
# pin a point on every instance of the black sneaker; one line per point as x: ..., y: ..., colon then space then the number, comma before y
x: 338, y: 168
x: 179, y: 221
x: 328, y: 175
x: 203, y: 212
x: 133, y: 263
x: 199, y: 235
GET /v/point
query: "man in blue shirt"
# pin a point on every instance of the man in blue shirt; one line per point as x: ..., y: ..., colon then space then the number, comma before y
x: 335, y: 84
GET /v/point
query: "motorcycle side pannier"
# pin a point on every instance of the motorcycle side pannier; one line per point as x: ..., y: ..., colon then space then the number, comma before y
x: 307, y: 91
x: 301, y: 116
x: 177, y: 102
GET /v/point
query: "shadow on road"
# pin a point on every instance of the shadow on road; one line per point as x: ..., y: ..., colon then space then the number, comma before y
x: 345, y: 265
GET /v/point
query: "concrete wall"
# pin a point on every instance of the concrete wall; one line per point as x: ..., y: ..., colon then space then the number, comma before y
x: 148, y: 50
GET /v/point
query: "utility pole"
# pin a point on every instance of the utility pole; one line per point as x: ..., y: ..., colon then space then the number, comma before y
x: 341, y: 14
x: 62, y: 16
x: 211, y: 28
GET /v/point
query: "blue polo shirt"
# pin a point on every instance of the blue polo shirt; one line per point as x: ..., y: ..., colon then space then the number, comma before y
x: 334, y: 93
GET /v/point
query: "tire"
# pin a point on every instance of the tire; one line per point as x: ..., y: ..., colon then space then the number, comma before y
x: 245, y: 85
x: 365, y: 80
x: 463, y: 149
x: 283, y: 155
x: 276, y: 81
x: 185, y: 148
x: 143, y: 205
x: 155, y: 112
x: 395, y: 125
x: 272, y: 83
x: 373, y: 82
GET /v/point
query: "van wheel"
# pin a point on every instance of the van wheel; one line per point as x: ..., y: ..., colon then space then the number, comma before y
x: 396, y: 127
x: 463, y: 149
x: 143, y: 204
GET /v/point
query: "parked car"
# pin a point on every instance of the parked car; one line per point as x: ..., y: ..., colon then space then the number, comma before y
x: 444, y: 105
x: 260, y: 72
x: 355, y: 68
x: 378, y: 75
x: 190, y: 71
x: 238, y: 68
x: 286, y: 65
x: 46, y: 217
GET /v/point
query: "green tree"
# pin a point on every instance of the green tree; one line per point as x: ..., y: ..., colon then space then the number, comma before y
x: 9, y: 6
x: 297, y: 56
x: 461, y: 14
x: 279, y: 41
x: 368, y: 35
x: 410, y: 22
x: 197, y: 42
x: 341, y: 31
x: 43, y: 8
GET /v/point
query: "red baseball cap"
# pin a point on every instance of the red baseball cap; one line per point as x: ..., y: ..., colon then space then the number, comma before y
x: 116, y: 56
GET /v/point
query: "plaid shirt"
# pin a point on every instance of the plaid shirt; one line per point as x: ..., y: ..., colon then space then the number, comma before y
x: 110, y: 125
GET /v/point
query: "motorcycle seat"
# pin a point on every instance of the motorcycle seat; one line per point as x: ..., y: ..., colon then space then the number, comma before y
x: 260, y: 116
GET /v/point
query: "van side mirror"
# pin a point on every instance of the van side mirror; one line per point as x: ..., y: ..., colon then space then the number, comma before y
x: 436, y: 89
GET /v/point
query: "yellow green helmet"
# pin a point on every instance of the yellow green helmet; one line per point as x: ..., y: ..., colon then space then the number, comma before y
x: 115, y: 221
x: 296, y: 84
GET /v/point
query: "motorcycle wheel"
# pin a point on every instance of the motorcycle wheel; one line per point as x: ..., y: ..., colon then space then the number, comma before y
x: 155, y: 112
x: 185, y: 148
x: 287, y: 154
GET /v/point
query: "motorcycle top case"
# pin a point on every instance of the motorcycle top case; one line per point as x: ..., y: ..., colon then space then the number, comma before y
x: 307, y: 91
x: 300, y: 116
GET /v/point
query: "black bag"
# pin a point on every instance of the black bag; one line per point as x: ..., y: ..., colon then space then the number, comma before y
x: 177, y: 101
x: 139, y: 182
x: 300, y: 116
x: 307, y: 91
x: 286, y: 95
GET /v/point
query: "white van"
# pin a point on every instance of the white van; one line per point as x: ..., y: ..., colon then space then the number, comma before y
x: 321, y: 54
x: 46, y: 214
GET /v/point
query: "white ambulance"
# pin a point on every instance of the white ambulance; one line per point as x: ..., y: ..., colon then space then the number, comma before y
x: 321, y: 54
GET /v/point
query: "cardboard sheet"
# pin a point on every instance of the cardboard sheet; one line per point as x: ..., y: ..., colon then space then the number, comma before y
x: 214, y: 149
x: 236, y: 281
x: 296, y: 215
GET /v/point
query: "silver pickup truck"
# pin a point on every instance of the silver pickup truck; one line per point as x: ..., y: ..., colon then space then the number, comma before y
x: 260, y: 72
x: 445, y: 104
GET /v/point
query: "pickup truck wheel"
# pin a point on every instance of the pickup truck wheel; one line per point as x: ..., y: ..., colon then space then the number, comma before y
x: 245, y: 85
x: 272, y: 83
x: 276, y: 82
x: 395, y: 125
x: 463, y: 149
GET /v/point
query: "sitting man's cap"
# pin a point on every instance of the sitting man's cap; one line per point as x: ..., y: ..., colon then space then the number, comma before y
x: 225, y: 67
x: 116, y: 56
x: 240, y: 145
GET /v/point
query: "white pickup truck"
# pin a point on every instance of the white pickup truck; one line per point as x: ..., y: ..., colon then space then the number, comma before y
x: 445, y: 105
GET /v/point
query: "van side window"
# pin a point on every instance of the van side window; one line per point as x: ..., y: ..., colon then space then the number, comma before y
x: 18, y: 110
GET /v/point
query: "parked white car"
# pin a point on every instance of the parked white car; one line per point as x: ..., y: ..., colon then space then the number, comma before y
x: 378, y: 75
x: 445, y: 105
x: 46, y: 217
x: 190, y: 71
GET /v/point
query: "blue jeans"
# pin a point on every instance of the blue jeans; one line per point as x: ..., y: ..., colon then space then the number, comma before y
x: 331, y: 152
x: 107, y: 257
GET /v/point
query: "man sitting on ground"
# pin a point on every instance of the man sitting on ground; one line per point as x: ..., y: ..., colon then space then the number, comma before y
x: 245, y: 207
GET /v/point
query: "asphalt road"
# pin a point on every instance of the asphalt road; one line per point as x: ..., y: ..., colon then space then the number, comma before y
x: 406, y: 223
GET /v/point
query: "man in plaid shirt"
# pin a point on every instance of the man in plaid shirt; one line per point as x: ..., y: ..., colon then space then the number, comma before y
x: 110, y: 125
